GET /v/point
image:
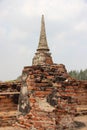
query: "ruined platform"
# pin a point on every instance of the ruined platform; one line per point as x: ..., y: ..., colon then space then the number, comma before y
x: 46, y: 98
x: 52, y: 98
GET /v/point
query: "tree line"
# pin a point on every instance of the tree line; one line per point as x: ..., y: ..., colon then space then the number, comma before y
x: 80, y: 75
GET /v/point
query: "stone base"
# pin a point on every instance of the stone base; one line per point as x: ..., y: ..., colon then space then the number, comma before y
x: 52, y: 98
x: 42, y: 58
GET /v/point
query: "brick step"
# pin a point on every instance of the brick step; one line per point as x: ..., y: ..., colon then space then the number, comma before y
x: 8, y: 108
x: 7, y: 118
x: 7, y: 121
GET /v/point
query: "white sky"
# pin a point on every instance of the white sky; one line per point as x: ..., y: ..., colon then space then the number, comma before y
x: 66, y: 28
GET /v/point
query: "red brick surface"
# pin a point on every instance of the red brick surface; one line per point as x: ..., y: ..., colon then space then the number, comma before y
x: 52, y: 97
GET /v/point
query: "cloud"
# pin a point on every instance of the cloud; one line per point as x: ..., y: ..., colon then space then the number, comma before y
x: 66, y: 28
x: 81, y: 27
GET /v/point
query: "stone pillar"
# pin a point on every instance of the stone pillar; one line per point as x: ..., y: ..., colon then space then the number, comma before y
x: 23, y: 105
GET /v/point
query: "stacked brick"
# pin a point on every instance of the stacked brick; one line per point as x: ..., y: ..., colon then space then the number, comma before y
x: 47, y: 98
x: 9, y: 94
x: 52, y: 98
x: 82, y: 98
x: 82, y: 93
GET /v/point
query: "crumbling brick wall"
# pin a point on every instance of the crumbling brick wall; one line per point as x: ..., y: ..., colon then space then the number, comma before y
x: 52, y: 98
x: 9, y: 94
x: 82, y: 93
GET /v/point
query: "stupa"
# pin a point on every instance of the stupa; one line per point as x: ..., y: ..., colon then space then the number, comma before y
x: 48, y: 93
x: 42, y: 56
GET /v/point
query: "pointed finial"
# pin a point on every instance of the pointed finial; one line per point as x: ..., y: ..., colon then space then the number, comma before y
x: 42, y: 56
x: 43, y: 40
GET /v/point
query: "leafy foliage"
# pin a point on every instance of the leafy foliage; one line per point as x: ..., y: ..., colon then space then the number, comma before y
x: 80, y: 75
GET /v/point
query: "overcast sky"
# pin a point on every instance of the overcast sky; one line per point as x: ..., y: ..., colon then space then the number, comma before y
x: 66, y: 29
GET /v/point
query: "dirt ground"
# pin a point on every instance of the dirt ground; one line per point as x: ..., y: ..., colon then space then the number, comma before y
x: 82, y: 119
x: 11, y: 128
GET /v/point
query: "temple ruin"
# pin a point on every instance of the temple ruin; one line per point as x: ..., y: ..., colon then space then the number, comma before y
x: 46, y: 98
x: 48, y: 94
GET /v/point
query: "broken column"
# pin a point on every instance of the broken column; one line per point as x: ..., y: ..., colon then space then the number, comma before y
x: 23, y: 104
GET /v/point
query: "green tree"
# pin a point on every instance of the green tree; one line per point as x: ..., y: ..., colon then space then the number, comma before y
x: 80, y: 75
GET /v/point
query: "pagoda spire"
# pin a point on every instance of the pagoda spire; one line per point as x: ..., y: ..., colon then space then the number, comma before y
x: 43, y: 46
x: 42, y: 56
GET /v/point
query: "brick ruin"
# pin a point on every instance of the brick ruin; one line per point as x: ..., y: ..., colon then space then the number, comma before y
x: 9, y: 94
x: 82, y: 98
x: 82, y: 93
x: 48, y: 95
x: 46, y: 98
